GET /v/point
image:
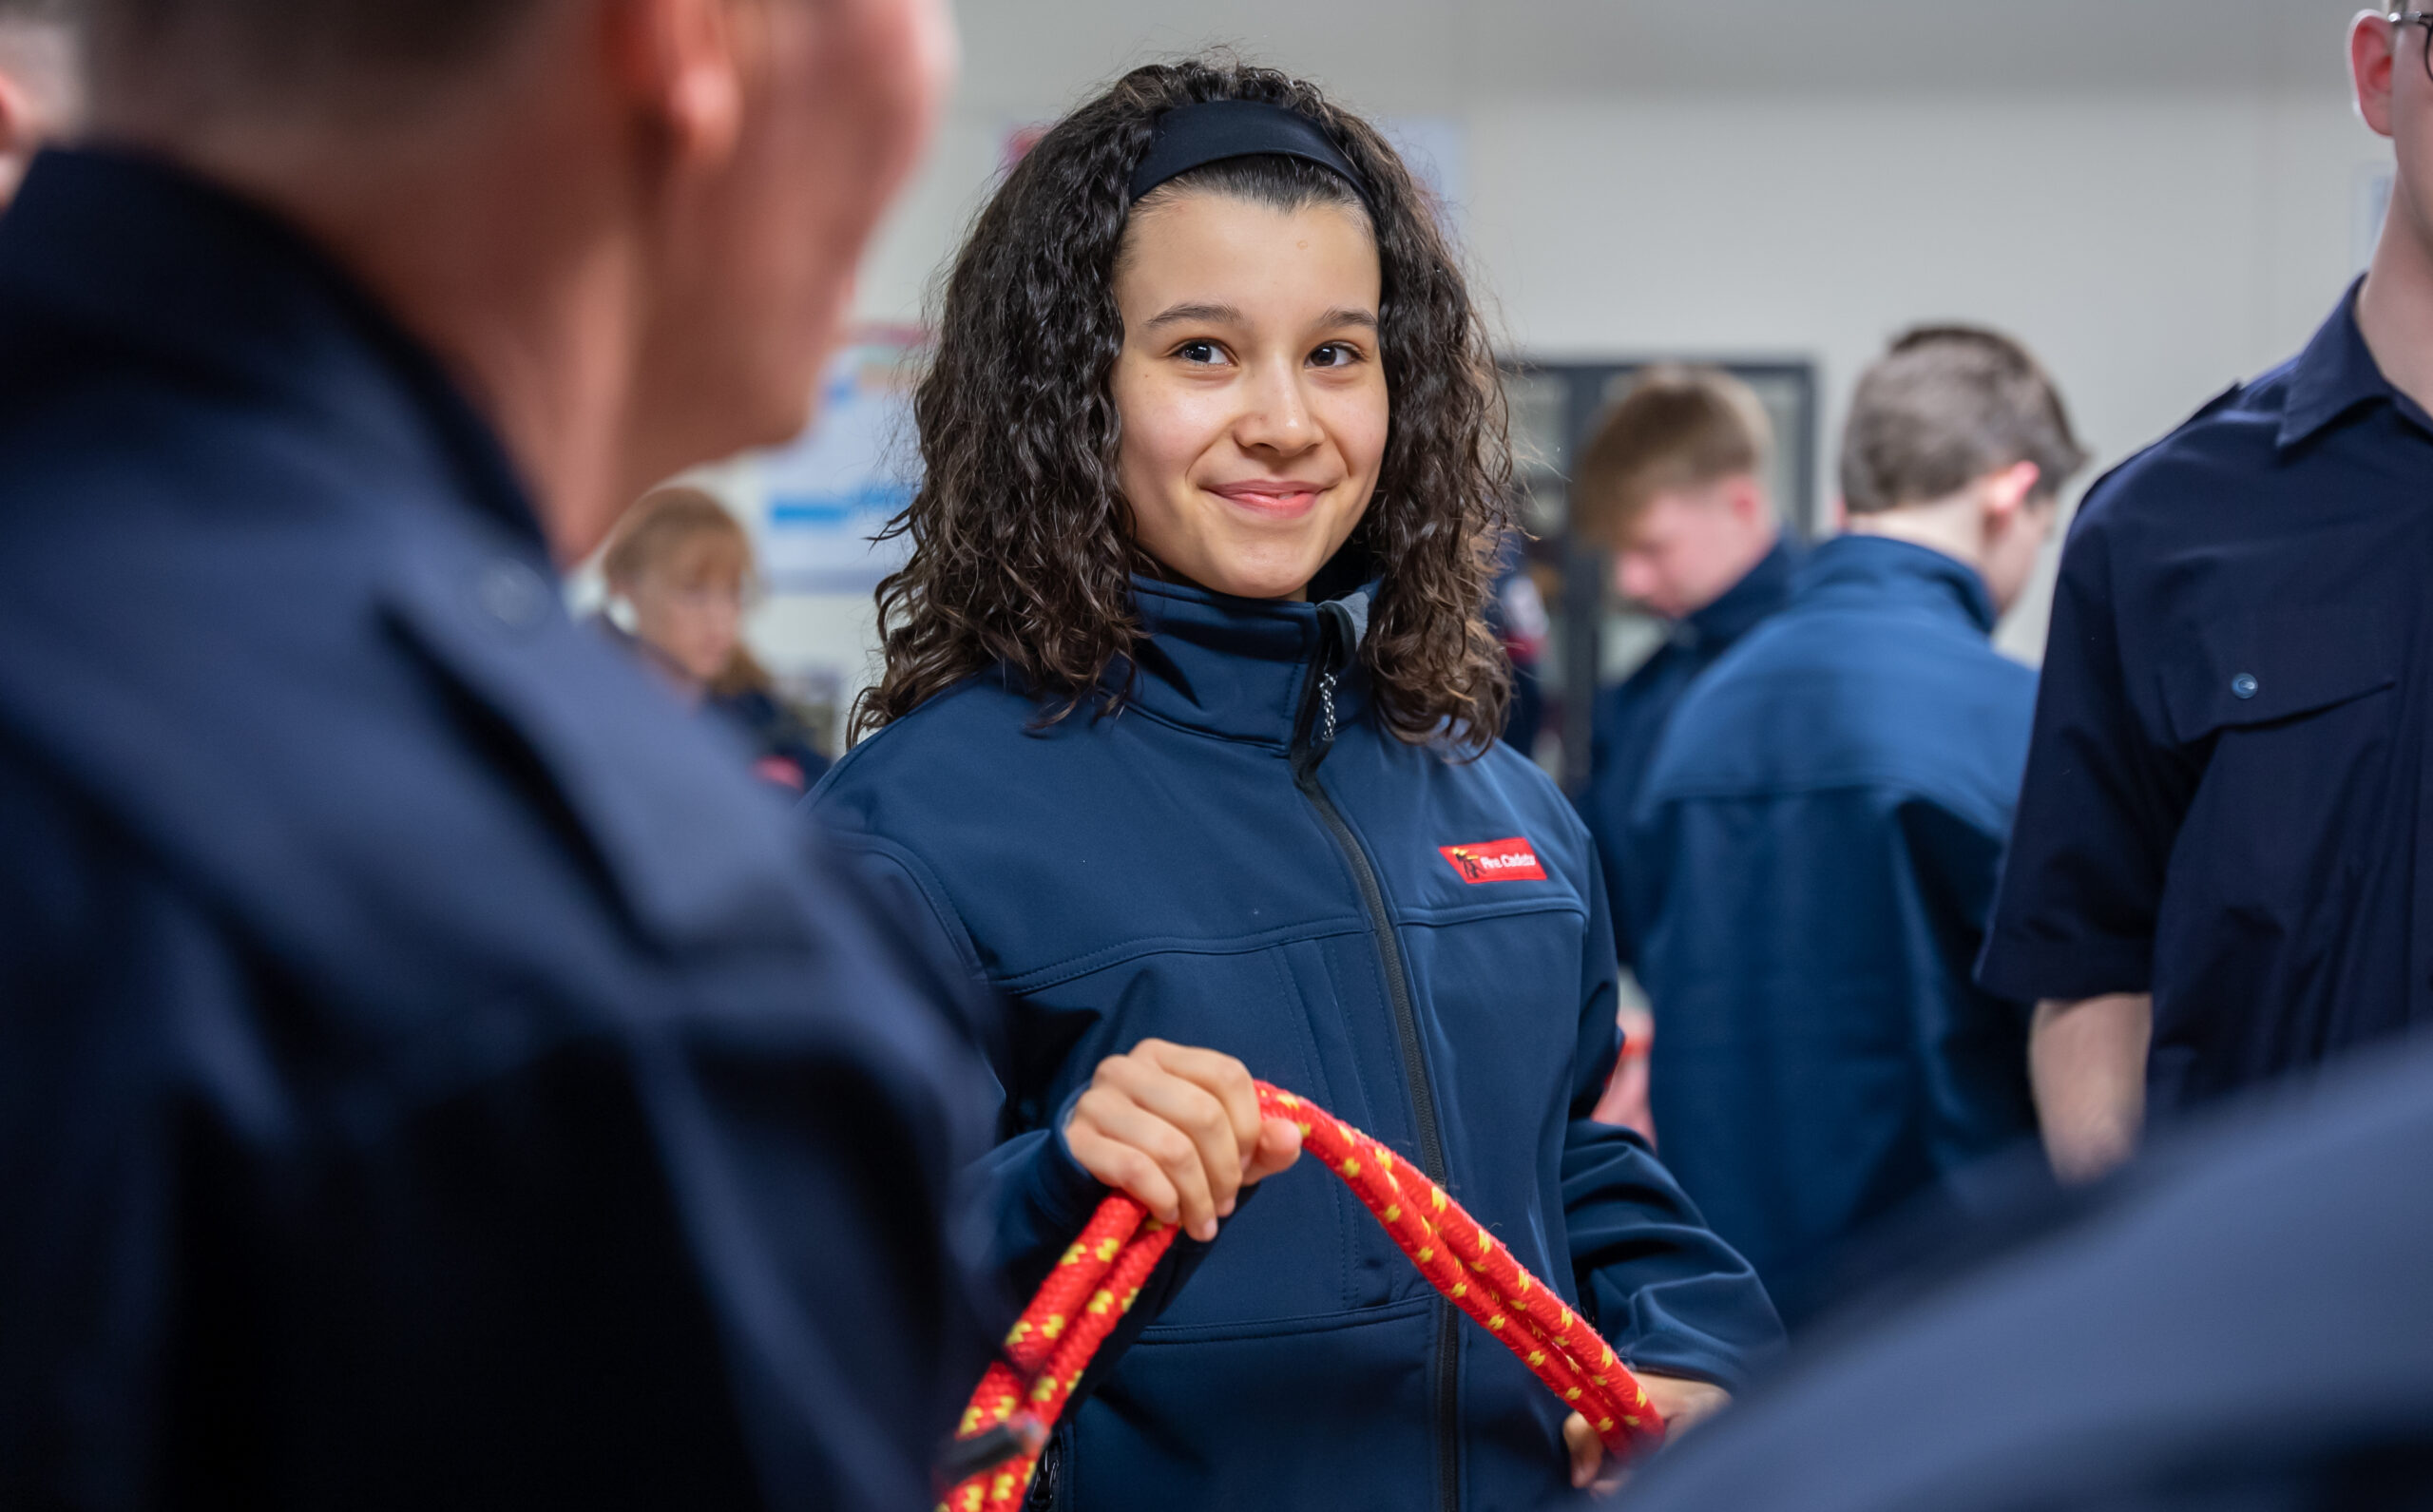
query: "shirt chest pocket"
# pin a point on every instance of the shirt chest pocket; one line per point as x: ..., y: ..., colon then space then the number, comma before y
x: 2291, y: 719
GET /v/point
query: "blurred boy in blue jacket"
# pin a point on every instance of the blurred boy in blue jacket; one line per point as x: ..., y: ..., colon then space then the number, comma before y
x: 1823, y: 817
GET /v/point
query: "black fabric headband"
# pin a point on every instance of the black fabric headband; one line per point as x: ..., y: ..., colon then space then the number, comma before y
x: 1193, y: 136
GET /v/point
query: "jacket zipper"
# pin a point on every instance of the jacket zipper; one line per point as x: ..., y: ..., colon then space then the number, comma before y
x: 1313, y: 737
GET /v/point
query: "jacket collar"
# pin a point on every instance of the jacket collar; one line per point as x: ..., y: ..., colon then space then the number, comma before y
x: 2335, y: 374
x: 1236, y: 668
x: 1876, y: 568
x: 138, y: 247
x: 1741, y: 607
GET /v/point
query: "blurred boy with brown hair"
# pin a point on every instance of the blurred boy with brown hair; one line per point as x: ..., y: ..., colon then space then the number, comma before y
x: 1672, y: 487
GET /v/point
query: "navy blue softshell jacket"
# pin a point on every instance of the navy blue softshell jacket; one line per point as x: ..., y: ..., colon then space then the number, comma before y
x: 1631, y: 715
x: 1818, y: 842
x: 431, y: 1072
x: 1209, y: 867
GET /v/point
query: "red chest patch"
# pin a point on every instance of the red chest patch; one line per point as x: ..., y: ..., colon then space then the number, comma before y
x: 1513, y: 860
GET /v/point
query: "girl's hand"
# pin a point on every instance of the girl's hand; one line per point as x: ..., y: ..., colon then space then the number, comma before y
x: 1178, y: 1129
x: 1681, y: 1403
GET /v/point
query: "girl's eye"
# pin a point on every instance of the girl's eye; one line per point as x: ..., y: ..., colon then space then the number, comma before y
x: 1200, y: 351
x: 1333, y: 354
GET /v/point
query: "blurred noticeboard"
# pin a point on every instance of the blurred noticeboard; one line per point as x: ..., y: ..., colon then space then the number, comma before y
x: 824, y: 496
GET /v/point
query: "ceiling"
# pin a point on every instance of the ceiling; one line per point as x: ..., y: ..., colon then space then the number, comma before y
x: 1033, y: 55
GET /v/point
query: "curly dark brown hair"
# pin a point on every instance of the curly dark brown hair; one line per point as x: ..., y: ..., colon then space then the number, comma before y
x: 1023, y: 545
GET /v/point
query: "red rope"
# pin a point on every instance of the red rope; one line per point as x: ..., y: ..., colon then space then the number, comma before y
x: 1099, y: 1278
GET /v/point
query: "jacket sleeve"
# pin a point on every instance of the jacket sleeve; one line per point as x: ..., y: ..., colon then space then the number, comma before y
x: 1673, y: 1298
x: 1968, y: 1045
x: 1030, y: 1196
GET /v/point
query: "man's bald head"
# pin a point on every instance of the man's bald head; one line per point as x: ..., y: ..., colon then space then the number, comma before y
x: 41, y: 94
x: 628, y: 228
x: 184, y: 57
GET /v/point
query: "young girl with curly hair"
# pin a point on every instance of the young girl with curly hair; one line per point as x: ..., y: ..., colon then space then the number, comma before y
x: 1186, y: 743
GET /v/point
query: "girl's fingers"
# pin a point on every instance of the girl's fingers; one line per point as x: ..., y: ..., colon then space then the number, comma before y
x: 1587, y: 1453
x: 1217, y: 1074
x: 1123, y: 1168
x: 1124, y: 1122
x: 1278, y: 1147
x: 1199, y: 1116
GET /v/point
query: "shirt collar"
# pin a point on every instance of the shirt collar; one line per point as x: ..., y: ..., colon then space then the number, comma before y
x: 1880, y: 567
x: 2335, y: 374
x: 169, y: 262
x: 1760, y: 591
x: 1232, y: 667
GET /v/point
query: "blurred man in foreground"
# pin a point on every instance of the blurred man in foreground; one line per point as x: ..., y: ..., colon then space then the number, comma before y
x: 40, y: 94
x: 430, y: 1074
x: 2224, y: 871
x: 2238, y: 1323
x: 1822, y: 824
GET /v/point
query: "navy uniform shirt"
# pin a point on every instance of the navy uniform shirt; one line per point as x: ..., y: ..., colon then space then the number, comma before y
x: 430, y: 1072
x: 1631, y: 715
x: 1817, y: 847
x: 2230, y: 799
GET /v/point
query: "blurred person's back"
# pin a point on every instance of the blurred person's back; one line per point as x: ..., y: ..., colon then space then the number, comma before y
x: 1819, y: 834
x: 429, y: 1072
x: 2239, y: 1322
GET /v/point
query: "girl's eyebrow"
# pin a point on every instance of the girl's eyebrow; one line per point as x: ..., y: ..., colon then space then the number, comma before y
x: 1201, y: 314
x: 1196, y: 315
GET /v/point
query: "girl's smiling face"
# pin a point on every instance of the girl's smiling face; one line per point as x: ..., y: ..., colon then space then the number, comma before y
x: 1249, y: 387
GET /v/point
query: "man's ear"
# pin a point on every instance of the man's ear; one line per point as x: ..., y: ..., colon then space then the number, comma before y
x: 20, y: 131
x: 2005, y: 493
x: 681, y: 65
x: 2373, y: 47
x: 1746, y: 497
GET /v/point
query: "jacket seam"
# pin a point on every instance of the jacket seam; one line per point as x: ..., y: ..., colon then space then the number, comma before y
x: 1297, y: 1323
x: 1481, y: 913
x: 924, y: 881
x: 1976, y: 807
x: 1058, y: 972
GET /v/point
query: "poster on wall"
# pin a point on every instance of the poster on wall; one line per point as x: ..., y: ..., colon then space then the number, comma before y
x: 824, y: 496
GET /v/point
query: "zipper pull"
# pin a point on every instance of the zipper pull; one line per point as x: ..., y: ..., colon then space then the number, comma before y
x: 1315, y: 730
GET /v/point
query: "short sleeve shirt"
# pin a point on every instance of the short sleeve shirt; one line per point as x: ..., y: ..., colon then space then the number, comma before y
x: 2228, y: 797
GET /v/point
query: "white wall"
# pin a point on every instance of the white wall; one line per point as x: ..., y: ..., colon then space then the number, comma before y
x: 2151, y: 246
x: 2149, y: 253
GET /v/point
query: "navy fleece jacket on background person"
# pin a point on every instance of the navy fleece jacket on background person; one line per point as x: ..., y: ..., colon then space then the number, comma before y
x: 1209, y: 868
x: 1819, y: 836
x: 1632, y: 714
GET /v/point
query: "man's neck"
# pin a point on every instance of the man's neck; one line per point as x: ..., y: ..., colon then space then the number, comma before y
x: 1954, y: 526
x: 1752, y: 551
x: 2395, y: 308
x: 514, y: 276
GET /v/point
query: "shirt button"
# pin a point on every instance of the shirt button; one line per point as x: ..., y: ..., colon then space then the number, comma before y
x: 2243, y: 686
x: 512, y: 594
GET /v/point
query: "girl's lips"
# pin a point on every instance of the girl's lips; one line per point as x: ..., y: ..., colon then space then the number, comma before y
x: 1275, y: 500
